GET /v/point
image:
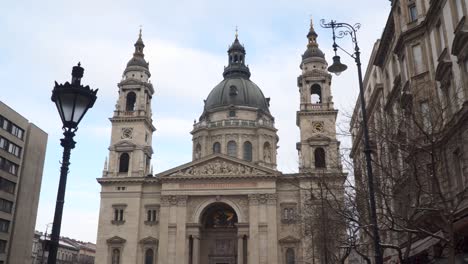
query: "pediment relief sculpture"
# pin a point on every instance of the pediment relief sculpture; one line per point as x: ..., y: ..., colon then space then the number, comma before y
x: 218, y: 167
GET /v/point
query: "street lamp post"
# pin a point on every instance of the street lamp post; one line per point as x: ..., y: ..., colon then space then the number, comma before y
x: 73, y: 101
x: 337, y: 67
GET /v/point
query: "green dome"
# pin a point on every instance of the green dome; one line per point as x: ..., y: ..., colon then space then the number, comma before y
x: 236, y: 91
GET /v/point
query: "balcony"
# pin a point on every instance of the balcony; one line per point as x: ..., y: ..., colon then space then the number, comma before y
x: 234, y: 123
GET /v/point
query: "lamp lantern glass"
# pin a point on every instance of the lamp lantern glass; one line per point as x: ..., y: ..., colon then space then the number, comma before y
x: 73, y: 100
x: 337, y: 67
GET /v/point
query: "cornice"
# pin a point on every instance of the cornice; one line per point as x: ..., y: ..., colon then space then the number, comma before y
x: 139, y: 180
x: 216, y: 177
x: 128, y: 119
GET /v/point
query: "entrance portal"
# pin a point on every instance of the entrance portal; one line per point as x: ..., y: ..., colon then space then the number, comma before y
x: 218, y: 243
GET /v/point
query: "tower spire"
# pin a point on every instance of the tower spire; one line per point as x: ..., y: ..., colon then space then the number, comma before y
x: 312, y: 35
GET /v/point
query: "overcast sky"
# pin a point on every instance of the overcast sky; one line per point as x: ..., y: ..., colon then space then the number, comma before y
x: 186, y: 44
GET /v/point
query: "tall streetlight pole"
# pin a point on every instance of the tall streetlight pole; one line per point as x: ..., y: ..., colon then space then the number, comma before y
x: 337, y: 67
x: 73, y: 101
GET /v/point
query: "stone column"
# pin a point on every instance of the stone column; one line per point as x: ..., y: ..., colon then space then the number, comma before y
x: 163, y: 230
x: 196, y: 250
x: 272, y: 229
x: 252, y: 252
x: 193, y: 230
x: 242, y: 231
x: 180, y: 235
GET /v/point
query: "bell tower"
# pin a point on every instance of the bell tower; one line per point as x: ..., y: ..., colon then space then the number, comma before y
x: 132, y: 126
x: 318, y: 148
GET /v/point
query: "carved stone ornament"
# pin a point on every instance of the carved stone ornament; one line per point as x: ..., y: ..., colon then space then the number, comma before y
x: 127, y: 133
x: 262, y: 198
x: 173, y: 200
x: 219, y: 168
x: 318, y: 127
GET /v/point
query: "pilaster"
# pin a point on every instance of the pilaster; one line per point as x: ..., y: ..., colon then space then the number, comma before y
x: 253, y: 256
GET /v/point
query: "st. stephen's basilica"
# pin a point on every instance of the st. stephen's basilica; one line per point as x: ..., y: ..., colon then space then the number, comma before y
x: 230, y: 204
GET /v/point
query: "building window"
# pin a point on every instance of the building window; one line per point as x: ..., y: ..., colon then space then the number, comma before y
x: 119, y: 210
x: 149, y: 256
x: 319, y: 155
x: 10, y: 127
x: 417, y: 59
x: 7, y: 186
x: 124, y: 162
x: 10, y: 147
x: 290, y: 256
x: 116, y: 256
x: 232, y: 148
x: 316, y: 94
x: 289, y: 214
x: 247, y: 151
x: 8, y: 166
x: 118, y: 214
x: 2, y: 246
x: 4, y: 225
x: 413, y: 12
x: 151, y: 215
x: 130, y: 103
x: 6, y: 206
x: 232, y: 113
x: 216, y: 147
x: 233, y: 90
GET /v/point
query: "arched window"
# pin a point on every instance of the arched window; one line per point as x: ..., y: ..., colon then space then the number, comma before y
x: 247, y: 151
x: 216, y: 147
x: 319, y: 155
x: 149, y: 256
x: 232, y: 148
x: 267, y: 152
x: 316, y: 94
x: 116, y: 256
x: 236, y: 58
x: 131, y: 100
x: 290, y: 256
x: 124, y: 161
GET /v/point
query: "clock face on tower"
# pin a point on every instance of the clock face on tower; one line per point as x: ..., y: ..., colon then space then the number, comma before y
x: 127, y: 132
x: 317, y: 126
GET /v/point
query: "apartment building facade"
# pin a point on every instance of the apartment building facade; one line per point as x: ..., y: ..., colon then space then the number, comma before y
x: 22, y: 153
x: 416, y: 90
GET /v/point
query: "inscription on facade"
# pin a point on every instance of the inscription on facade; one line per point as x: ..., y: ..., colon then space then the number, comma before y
x: 217, y: 185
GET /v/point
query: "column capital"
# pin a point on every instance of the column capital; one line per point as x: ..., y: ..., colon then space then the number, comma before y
x: 253, y: 199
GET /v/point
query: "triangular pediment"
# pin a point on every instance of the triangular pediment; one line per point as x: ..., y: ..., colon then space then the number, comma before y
x: 115, y: 240
x: 289, y: 239
x: 124, y: 144
x: 218, y: 165
x: 149, y: 241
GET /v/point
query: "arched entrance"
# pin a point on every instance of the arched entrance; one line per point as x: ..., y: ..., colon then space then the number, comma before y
x: 218, y: 236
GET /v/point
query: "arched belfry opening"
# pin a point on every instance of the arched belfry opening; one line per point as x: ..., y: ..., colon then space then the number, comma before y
x: 219, y: 234
x: 316, y: 94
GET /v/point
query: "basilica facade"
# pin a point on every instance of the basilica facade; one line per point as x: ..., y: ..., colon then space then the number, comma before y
x: 230, y: 204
